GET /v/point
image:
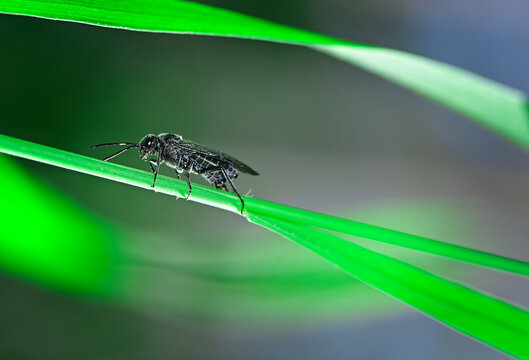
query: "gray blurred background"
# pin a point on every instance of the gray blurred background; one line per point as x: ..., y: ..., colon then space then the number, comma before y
x: 324, y: 135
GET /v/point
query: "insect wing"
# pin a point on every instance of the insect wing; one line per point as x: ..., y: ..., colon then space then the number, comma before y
x: 219, y: 155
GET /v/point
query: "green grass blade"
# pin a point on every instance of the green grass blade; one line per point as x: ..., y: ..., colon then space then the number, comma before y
x: 500, y: 109
x: 69, y: 249
x: 230, y: 202
x: 49, y: 240
x: 367, y: 231
x: 492, y: 321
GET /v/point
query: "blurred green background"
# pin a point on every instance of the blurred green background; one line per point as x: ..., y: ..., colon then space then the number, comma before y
x: 177, y: 279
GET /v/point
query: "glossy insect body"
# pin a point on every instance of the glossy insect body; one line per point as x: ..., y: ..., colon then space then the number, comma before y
x: 187, y: 157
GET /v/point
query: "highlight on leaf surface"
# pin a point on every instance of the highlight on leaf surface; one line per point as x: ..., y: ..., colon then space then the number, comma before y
x: 496, y: 107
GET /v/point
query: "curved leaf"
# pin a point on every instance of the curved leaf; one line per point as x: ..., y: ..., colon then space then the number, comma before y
x: 500, y: 109
x: 68, y: 249
x: 503, y: 327
x: 483, y: 317
x: 230, y: 202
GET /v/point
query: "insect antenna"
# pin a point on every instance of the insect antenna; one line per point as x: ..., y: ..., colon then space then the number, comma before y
x: 112, y: 144
x: 130, y: 146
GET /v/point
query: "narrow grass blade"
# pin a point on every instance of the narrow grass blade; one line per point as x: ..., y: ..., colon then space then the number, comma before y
x: 230, y: 202
x: 367, y: 231
x: 50, y: 240
x: 492, y: 321
x: 500, y: 109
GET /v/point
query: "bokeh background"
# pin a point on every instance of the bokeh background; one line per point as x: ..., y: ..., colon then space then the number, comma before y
x: 194, y: 282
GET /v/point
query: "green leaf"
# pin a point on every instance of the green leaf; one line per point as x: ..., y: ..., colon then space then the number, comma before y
x: 483, y: 317
x: 500, y: 109
x: 248, y: 281
x: 257, y: 278
x: 504, y: 327
x: 230, y: 202
x: 66, y: 248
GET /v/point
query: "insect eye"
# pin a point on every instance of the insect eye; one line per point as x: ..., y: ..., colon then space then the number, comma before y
x: 149, y: 143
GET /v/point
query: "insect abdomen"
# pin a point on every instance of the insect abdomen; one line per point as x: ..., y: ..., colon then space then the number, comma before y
x: 217, y: 177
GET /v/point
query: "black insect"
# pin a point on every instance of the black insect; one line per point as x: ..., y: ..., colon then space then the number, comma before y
x: 187, y: 157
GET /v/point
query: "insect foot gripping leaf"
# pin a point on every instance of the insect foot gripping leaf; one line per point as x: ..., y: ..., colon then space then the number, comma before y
x: 187, y: 157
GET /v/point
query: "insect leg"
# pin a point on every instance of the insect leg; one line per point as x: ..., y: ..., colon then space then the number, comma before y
x: 234, y: 189
x: 159, y: 160
x: 177, y: 174
x: 152, y: 167
x: 188, y: 181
